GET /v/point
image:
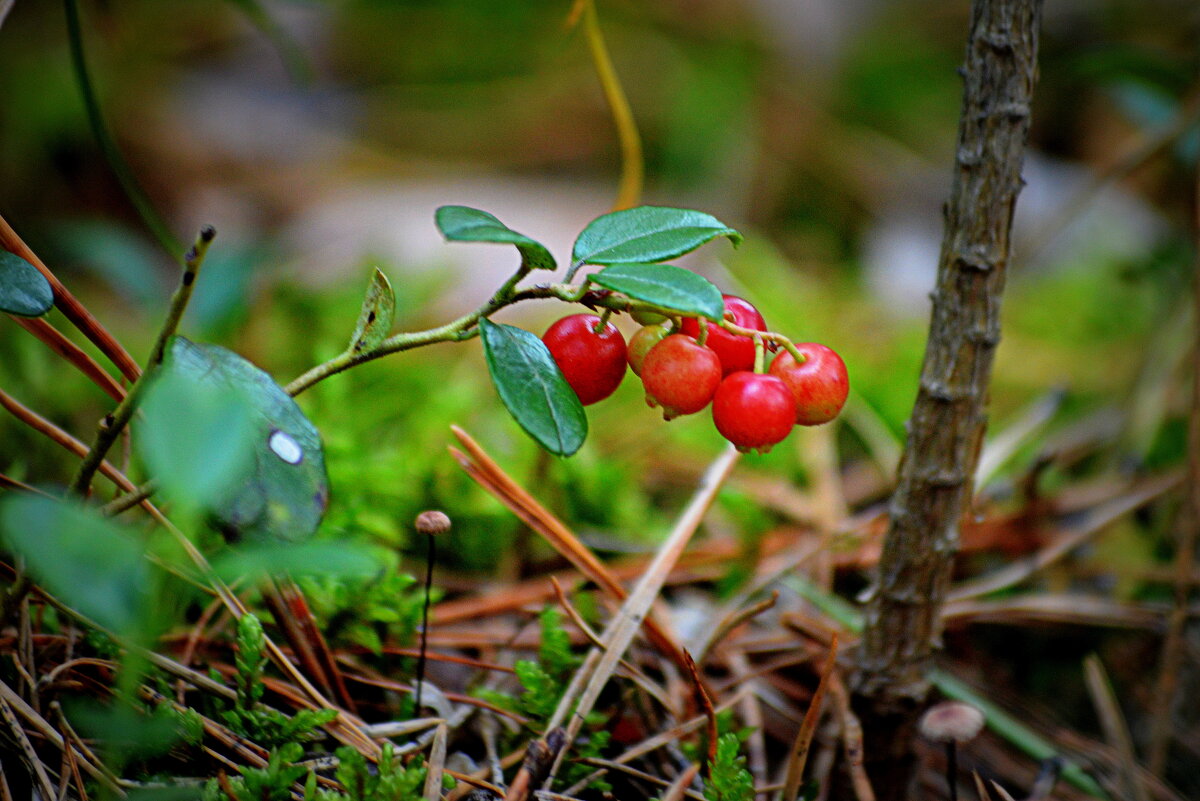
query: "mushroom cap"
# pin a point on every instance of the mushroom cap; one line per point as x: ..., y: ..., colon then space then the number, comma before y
x: 432, y: 522
x: 951, y: 722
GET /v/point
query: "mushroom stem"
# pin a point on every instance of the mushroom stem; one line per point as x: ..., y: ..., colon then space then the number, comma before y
x: 952, y: 769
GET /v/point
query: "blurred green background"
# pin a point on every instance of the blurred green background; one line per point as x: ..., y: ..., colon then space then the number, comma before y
x: 319, y: 137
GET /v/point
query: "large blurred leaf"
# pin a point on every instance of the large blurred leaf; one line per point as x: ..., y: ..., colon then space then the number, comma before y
x: 23, y: 290
x: 197, y: 438
x: 465, y: 224
x: 338, y: 560
x: 665, y: 285
x: 533, y: 388
x: 282, y: 491
x: 647, y: 234
x: 86, y: 561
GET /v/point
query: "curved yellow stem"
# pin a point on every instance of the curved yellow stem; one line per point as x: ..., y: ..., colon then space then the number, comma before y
x: 629, y: 191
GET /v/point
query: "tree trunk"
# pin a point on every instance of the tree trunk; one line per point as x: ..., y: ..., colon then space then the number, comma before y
x: 935, y: 482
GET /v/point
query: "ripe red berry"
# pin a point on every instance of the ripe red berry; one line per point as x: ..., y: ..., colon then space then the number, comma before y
x: 642, y: 341
x: 680, y: 376
x: 819, y: 384
x: 754, y: 411
x: 593, y: 364
x: 735, y: 352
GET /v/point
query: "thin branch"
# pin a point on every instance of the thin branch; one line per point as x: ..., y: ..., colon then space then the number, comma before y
x: 113, y: 425
x: 949, y: 418
x: 1171, y: 657
x: 108, y: 146
x: 629, y: 190
x: 71, y: 308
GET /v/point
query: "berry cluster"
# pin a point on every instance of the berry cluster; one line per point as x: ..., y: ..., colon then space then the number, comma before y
x: 684, y: 367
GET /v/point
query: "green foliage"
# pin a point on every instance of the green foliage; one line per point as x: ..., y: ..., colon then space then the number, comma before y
x: 24, y: 291
x: 555, y: 650
x: 87, y: 561
x: 385, y: 607
x: 271, y: 783
x: 464, y: 224
x: 282, y: 492
x: 533, y: 388
x: 647, y: 234
x: 665, y: 285
x: 249, y: 718
x: 543, y: 682
x: 729, y: 780
x: 391, y: 781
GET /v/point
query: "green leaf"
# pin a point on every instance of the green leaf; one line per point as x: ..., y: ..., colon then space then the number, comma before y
x: 647, y: 234
x: 375, y: 319
x: 83, y: 559
x: 533, y: 389
x: 465, y: 224
x: 665, y: 285
x: 340, y: 559
x: 282, y: 492
x: 196, y: 438
x: 24, y: 291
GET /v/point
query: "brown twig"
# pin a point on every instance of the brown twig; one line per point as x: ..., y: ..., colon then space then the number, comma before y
x: 1171, y: 656
x: 798, y: 757
x: 484, y: 470
x: 71, y: 308
x: 705, y: 704
x: 75, y: 355
x: 586, y: 686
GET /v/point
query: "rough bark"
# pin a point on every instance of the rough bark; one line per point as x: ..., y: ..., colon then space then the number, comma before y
x: 934, y: 485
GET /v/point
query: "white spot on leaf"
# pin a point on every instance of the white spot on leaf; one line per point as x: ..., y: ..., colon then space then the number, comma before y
x: 285, y: 447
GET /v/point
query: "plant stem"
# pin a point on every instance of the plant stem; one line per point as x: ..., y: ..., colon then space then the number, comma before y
x: 108, y: 146
x: 465, y: 327
x: 115, y: 423
x: 632, y: 169
x: 904, y: 612
x: 429, y: 538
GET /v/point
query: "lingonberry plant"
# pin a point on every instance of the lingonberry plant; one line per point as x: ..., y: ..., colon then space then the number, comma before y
x: 735, y: 350
x: 680, y: 375
x: 590, y: 352
x: 819, y: 382
x: 754, y: 411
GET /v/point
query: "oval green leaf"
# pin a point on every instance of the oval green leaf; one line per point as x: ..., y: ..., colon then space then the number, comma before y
x: 533, y: 388
x: 92, y: 564
x: 24, y: 291
x: 282, y: 491
x: 465, y: 224
x: 665, y: 285
x: 647, y: 234
x: 375, y: 318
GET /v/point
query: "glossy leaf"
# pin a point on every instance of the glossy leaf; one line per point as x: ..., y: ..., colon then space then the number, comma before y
x: 196, y: 437
x: 282, y: 491
x: 24, y: 291
x: 533, y: 389
x: 336, y: 559
x: 378, y: 311
x: 89, y: 563
x: 647, y: 234
x: 465, y: 224
x: 665, y: 285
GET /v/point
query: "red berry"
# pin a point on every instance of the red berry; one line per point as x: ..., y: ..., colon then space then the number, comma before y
x: 680, y: 375
x: 754, y: 411
x: 641, y: 342
x: 593, y: 364
x: 735, y: 352
x: 819, y: 383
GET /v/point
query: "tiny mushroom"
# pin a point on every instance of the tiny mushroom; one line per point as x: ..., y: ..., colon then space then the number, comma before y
x: 951, y: 723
